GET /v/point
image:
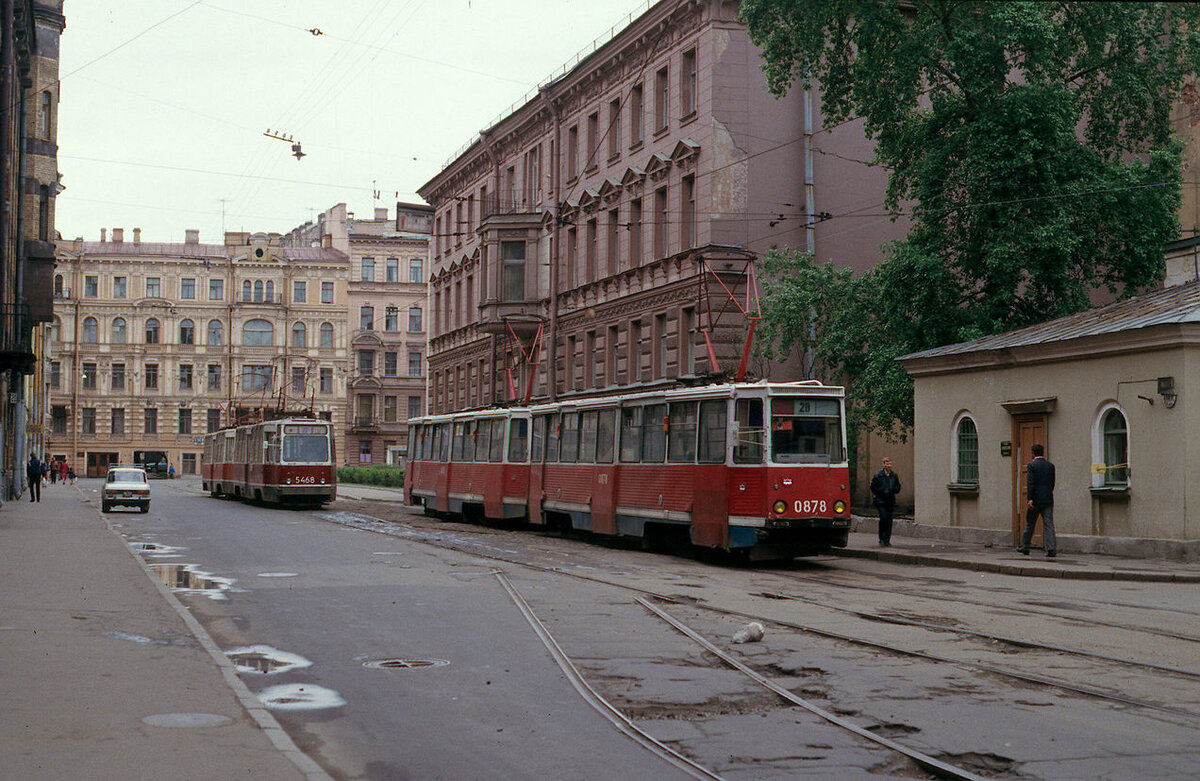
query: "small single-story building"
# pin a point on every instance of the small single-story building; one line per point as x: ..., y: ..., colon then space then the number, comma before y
x: 1107, y: 391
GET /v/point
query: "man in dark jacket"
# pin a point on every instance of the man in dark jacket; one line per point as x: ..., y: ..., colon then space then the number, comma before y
x: 884, y: 487
x: 33, y: 471
x: 1039, y: 483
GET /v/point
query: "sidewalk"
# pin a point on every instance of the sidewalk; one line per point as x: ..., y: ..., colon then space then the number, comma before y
x: 103, y: 674
x: 1005, y: 560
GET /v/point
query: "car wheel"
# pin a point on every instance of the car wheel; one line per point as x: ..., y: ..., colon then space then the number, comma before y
x: 145, y: 508
x: 105, y: 507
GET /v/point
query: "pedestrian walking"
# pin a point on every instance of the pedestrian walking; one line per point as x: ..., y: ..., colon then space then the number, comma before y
x: 1039, y: 484
x: 71, y: 475
x: 63, y: 468
x: 884, y: 487
x: 33, y: 471
x: 53, y: 470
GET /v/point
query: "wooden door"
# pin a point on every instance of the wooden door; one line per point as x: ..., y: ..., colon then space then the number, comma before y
x: 1028, y: 430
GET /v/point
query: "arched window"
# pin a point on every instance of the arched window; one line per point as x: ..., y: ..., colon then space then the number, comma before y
x: 246, y: 290
x: 258, y: 333
x: 187, y: 332
x: 56, y: 330
x: 299, y: 335
x: 258, y: 290
x: 152, y: 329
x: 58, y: 285
x: 118, y: 330
x: 216, y: 332
x: 270, y: 290
x: 966, y: 452
x: 326, y: 336
x: 89, y: 330
x: 1115, y: 444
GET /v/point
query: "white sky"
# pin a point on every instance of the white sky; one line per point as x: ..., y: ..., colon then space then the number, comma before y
x: 164, y: 102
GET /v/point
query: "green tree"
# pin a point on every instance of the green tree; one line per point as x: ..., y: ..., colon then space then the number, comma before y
x: 1030, y: 143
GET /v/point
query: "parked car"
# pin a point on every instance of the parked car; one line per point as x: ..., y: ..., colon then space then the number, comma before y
x: 126, y: 486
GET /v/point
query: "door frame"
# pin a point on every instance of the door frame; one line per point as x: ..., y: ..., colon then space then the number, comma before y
x: 1027, y: 430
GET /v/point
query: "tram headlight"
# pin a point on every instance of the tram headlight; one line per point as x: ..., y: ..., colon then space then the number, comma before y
x: 839, y: 507
x: 780, y: 507
x: 288, y: 481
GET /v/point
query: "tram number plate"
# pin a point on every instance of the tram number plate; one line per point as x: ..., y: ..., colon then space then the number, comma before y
x: 305, y: 479
x: 811, y: 506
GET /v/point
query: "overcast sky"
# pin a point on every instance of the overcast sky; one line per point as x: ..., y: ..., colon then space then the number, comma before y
x: 164, y: 102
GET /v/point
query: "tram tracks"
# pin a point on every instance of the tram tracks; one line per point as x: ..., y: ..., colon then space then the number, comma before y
x: 462, y: 543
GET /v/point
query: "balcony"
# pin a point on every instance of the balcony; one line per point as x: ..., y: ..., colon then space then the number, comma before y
x: 364, y: 423
x: 16, y: 343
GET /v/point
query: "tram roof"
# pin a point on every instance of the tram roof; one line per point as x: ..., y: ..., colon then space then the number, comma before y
x: 715, y: 391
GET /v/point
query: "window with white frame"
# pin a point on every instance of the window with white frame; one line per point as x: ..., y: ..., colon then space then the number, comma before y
x: 966, y: 451
x: 1111, y: 447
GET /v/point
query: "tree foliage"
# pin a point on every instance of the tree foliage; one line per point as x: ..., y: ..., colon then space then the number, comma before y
x: 1030, y: 143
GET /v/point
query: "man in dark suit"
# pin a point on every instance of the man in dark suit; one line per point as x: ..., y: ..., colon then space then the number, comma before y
x: 884, y: 487
x: 1039, y: 483
x: 34, y: 471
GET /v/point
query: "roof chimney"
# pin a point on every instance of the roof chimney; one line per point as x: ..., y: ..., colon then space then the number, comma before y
x: 118, y: 235
x: 381, y: 212
x: 103, y: 235
x: 137, y: 235
x: 191, y: 236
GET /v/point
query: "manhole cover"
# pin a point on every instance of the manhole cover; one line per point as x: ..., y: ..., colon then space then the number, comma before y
x: 187, y: 720
x: 405, y: 664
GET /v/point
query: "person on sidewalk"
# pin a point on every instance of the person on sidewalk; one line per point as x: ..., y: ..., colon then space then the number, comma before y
x: 884, y: 487
x: 33, y: 471
x: 1039, y: 483
x: 52, y: 468
x: 63, y: 468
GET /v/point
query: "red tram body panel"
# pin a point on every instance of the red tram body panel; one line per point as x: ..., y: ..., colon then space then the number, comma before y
x: 286, y: 461
x: 754, y: 467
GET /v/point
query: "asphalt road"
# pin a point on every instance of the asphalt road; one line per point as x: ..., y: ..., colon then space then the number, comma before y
x: 995, y: 674
x: 495, y: 706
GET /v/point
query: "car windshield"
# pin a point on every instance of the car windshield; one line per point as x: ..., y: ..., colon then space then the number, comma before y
x: 305, y: 447
x: 127, y: 476
x: 805, y: 431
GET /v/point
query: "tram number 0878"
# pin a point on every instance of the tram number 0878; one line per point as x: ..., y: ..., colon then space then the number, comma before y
x: 811, y: 506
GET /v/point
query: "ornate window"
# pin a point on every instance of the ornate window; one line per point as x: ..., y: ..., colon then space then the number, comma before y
x: 187, y: 332
x: 89, y: 330
x: 118, y: 330
x: 326, y: 336
x: 152, y: 330
x: 216, y: 332
x: 258, y: 333
x: 299, y: 335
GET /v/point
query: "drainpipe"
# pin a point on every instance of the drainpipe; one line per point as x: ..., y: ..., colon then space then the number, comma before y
x: 810, y: 209
x: 555, y: 244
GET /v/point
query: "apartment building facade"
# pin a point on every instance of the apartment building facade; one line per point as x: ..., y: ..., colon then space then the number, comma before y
x: 29, y: 90
x: 386, y: 330
x: 155, y: 344
x: 602, y: 236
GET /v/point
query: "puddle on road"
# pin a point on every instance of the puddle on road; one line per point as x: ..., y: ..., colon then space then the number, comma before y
x: 185, y: 578
x: 278, y: 574
x: 265, y: 660
x: 300, y: 696
x: 154, y: 548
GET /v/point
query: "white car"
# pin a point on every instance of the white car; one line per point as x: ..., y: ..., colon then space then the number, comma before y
x: 126, y: 486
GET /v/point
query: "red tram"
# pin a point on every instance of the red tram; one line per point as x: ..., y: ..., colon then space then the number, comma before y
x: 287, y: 461
x: 758, y: 468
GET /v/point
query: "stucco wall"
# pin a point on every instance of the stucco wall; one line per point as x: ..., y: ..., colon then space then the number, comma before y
x: 1160, y: 443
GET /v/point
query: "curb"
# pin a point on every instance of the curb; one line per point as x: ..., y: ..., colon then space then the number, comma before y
x: 1024, y: 570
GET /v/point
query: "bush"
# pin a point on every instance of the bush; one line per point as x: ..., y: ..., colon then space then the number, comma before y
x: 389, y: 476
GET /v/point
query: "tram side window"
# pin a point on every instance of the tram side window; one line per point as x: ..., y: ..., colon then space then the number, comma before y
x: 271, y: 448
x: 748, y: 447
x: 456, y: 447
x: 606, y: 436
x: 713, y: 416
x: 569, y: 447
x: 631, y: 434
x: 587, y: 437
x: 681, y: 432
x: 468, y: 447
x: 537, y: 442
x: 444, y: 442
x: 553, y: 435
x: 496, y: 452
x: 483, y: 433
x: 654, y: 435
x: 412, y: 442
x: 518, y: 440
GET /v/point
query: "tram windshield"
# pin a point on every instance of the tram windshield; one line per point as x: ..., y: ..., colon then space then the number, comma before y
x: 806, y: 431
x: 305, y: 444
